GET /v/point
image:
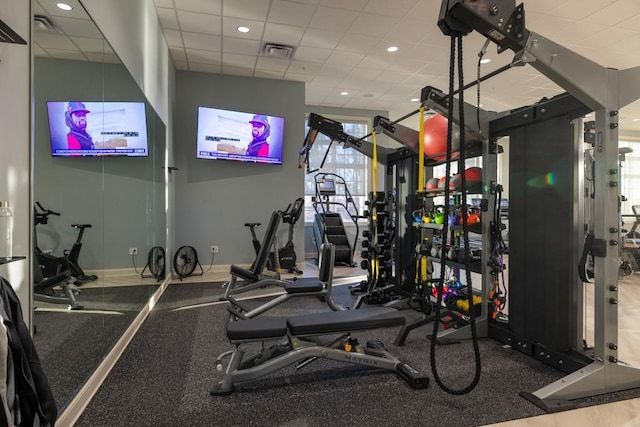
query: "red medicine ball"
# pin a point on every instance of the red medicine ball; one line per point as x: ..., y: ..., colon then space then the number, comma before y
x: 432, y: 184
x: 435, y: 138
x: 473, y: 175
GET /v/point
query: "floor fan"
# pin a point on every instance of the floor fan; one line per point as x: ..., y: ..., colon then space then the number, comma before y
x: 185, y: 261
x: 155, y: 263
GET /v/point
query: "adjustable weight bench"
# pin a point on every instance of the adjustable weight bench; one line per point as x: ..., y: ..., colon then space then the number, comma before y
x: 300, y: 287
x: 288, y: 341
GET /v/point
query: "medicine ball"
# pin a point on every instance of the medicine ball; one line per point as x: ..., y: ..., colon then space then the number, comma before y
x: 432, y: 184
x: 456, y: 182
x: 473, y: 176
x: 435, y: 137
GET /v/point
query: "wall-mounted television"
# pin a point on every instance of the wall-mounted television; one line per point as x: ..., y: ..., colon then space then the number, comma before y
x: 79, y: 128
x: 241, y: 136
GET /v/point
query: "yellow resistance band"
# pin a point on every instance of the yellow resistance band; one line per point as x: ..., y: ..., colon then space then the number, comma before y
x: 421, y: 152
x: 375, y: 163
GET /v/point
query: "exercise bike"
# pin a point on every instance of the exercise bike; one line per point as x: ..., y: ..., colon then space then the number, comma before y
x: 281, y: 258
x: 71, y: 255
x: 50, y: 272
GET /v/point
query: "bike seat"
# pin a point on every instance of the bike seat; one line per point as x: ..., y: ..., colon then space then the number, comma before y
x: 252, y: 224
x: 81, y: 225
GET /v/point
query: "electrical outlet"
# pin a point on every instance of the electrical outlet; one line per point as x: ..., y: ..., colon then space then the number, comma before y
x: 215, y: 249
x: 133, y: 251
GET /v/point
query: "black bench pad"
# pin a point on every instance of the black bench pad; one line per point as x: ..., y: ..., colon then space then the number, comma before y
x: 302, y: 285
x: 257, y: 329
x: 345, y: 321
x: 244, y: 273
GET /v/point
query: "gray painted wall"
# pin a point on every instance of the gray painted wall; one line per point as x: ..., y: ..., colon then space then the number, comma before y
x: 122, y: 198
x: 214, y: 198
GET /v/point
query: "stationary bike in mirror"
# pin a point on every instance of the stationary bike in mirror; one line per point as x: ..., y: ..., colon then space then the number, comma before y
x: 71, y: 255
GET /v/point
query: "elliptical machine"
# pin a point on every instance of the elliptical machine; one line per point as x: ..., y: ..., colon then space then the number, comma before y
x: 72, y: 254
x: 285, y: 257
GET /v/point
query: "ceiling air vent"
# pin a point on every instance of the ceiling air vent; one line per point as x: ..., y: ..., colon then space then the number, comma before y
x: 43, y: 23
x: 277, y: 50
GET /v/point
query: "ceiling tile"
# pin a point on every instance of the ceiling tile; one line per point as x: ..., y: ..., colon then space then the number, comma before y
x: 299, y: 77
x: 581, y: 9
x: 364, y: 73
x: 163, y: 3
x: 268, y: 74
x: 235, y: 60
x: 74, y: 55
x: 272, y: 64
x: 180, y: 65
x: 288, y: 12
x: 240, y: 46
x: 283, y: 34
x: 168, y: 18
x: 321, y: 38
x: 178, y: 55
x: 329, y: 18
x: 200, y: 23
x: 342, y: 4
x: 173, y: 38
x: 303, y: 67
x: 345, y: 58
x: 395, y: 8
x: 79, y: 27
x: 237, y: 71
x: 631, y: 23
x: 335, y: 71
x: 372, y: 25
x: 312, y: 54
x: 376, y: 62
x: 249, y: 9
x: 211, y: 7
x: 202, y: 41
x: 91, y: 45
x: 56, y: 41
x: 357, y: 43
x: 204, y: 57
x: 205, y: 68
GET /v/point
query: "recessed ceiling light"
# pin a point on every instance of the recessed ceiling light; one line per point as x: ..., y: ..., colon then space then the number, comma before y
x: 345, y: 93
x: 485, y: 60
x: 415, y: 99
x: 244, y: 29
x: 63, y: 6
x: 392, y: 48
x: 636, y: 120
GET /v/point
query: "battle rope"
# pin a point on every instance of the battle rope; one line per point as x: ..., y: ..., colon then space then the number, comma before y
x: 445, y: 230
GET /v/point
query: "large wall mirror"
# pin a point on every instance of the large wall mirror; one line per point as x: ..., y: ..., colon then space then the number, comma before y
x: 82, y: 89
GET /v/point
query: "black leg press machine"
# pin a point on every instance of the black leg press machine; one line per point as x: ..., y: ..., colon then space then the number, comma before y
x: 295, y: 341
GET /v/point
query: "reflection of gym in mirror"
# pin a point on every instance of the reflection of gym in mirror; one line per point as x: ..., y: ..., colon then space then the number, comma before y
x: 99, y: 146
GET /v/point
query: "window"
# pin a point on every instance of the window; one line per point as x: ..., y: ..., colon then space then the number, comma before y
x: 349, y: 164
x: 630, y: 176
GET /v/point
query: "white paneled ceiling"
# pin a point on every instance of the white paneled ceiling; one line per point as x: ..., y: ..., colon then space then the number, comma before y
x: 341, y: 46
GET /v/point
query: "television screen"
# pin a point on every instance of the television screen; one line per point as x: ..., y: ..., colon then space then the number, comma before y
x: 241, y: 136
x: 97, y: 129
